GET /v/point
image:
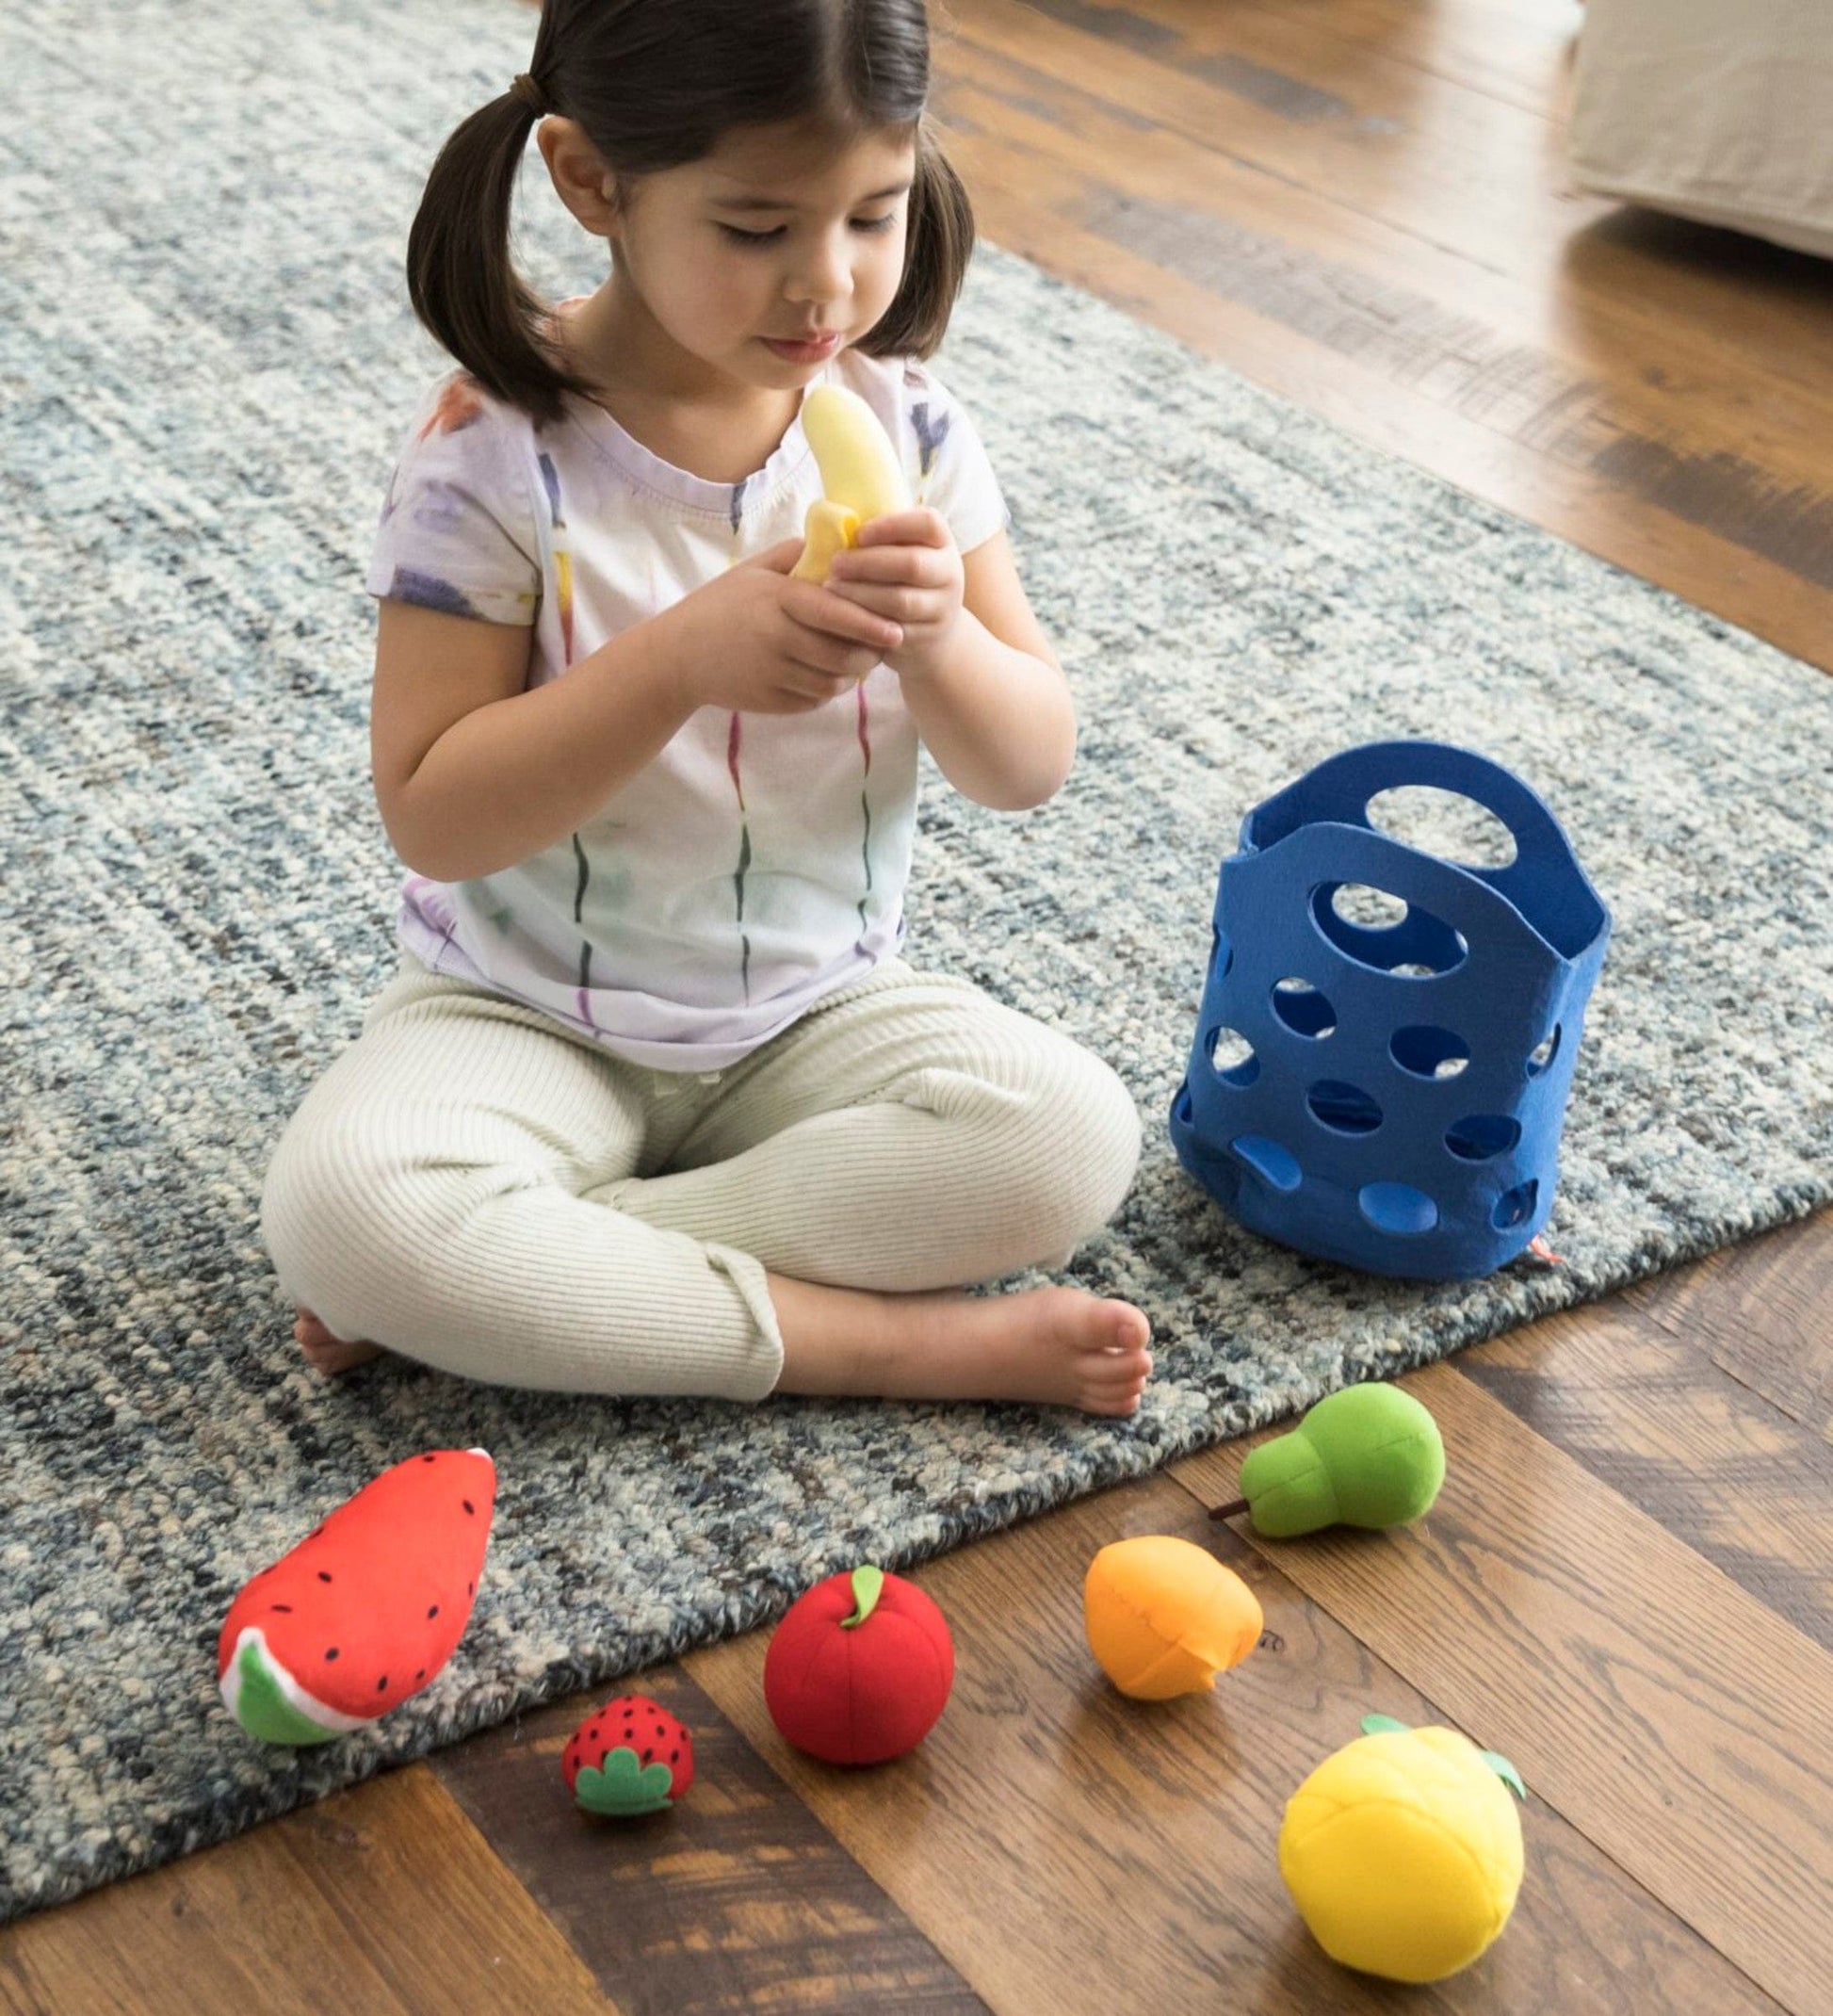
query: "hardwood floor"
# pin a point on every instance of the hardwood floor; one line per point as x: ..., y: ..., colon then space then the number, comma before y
x: 1362, y: 205
x: 1628, y: 1584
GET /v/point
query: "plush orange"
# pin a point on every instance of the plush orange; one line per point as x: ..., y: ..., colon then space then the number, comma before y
x: 1164, y: 1617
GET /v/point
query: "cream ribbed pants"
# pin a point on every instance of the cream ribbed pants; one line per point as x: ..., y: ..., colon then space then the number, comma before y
x: 474, y: 1186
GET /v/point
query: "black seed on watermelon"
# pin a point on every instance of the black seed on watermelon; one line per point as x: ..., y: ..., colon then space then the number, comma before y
x: 331, y: 1653
x: 421, y: 1674
x: 322, y: 1576
x: 382, y: 1685
x: 287, y: 1607
x: 468, y: 1506
x: 434, y: 1611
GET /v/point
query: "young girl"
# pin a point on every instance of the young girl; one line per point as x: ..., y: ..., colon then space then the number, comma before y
x: 653, y: 1104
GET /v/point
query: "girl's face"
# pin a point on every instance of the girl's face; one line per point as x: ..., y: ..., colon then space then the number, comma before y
x: 775, y: 236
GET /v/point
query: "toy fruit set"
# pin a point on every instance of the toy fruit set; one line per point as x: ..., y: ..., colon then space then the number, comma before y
x: 1403, y: 1851
x: 371, y: 1605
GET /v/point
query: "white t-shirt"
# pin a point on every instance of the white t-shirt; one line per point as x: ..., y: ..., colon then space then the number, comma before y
x: 759, y: 861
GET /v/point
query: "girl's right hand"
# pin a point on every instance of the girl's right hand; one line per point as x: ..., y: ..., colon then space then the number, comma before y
x: 754, y: 641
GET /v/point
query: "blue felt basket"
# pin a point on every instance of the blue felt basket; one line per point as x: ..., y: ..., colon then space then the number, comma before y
x: 1390, y: 1096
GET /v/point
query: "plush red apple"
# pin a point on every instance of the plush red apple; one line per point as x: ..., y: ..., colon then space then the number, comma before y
x: 860, y: 1668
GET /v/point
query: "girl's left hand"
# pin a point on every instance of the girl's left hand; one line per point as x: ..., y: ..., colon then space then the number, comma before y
x: 907, y: 566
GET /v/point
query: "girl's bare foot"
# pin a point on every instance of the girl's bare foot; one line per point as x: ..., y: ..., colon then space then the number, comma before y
x: 327, y: 1354
x: 1059, y: 1345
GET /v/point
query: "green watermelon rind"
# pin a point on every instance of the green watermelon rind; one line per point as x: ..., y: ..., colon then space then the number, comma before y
x: 270, y: 1704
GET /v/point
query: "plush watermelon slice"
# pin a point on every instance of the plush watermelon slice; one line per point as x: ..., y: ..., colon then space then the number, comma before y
x: 366, y: 1608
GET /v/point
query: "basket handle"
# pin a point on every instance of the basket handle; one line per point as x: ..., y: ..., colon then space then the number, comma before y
x: 1339, y: 789
x: 1544, y: 880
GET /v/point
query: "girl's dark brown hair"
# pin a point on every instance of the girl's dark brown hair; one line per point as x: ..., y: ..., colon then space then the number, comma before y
x: 656, y: 84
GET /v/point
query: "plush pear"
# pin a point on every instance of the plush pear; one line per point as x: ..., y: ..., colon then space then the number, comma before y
x: 1369, y: 1455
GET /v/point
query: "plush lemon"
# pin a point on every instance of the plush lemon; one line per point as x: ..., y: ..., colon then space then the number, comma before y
x: 1164, y: 1617
x: 1403, y: 1851
x: 861, y: 476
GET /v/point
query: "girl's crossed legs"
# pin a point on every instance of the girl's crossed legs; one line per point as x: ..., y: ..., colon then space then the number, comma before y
x: 475, y: 1188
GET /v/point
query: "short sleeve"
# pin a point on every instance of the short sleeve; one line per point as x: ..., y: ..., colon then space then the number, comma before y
x: 456, y: 532
x: 954, y: 474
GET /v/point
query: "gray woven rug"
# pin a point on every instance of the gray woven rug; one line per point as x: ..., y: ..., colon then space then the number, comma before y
x: 206, y: 359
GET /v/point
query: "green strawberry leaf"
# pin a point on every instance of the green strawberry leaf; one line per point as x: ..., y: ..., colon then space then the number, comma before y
x: 1383, y: 1725
x: 624, y: 1787
x: 1507, y: 1772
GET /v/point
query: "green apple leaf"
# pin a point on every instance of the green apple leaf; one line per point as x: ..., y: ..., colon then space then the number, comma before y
x: 867, y: 1587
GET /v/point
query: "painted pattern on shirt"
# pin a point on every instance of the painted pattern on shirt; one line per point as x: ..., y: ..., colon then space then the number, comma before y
x: 756, y: 861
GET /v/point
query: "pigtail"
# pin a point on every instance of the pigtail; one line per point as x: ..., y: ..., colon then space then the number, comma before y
x: 938, y: 245
x: 460, y: 279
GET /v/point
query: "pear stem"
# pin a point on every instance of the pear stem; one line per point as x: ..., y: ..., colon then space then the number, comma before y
x: 1229, y: 1511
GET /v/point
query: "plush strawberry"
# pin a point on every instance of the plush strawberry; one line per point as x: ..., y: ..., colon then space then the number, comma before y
x: 860, y: 1668
x: 366, y: 1608
x: 629, y: 1757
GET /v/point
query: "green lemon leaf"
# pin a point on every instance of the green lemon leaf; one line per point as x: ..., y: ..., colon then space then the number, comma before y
x: 1507, y: 1772
x: 1383, y: 1725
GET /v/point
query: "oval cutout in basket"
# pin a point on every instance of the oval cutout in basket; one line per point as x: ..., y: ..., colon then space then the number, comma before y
x: 1442, y: 822
x: 1417, y: 940
x: 1232, y: 1056
x: 1303, y: 1009
x: 1270, y: 1161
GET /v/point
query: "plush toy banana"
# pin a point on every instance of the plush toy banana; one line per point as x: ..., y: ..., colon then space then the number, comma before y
x: 860, y: 474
